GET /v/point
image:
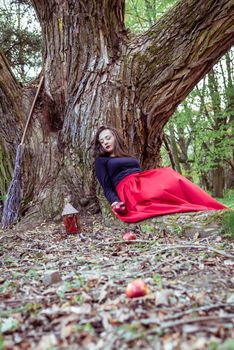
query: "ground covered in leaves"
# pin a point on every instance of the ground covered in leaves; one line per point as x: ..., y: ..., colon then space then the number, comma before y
x: 83, y: 305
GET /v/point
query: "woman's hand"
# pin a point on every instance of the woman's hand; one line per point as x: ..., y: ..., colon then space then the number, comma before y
x: 118, y: 207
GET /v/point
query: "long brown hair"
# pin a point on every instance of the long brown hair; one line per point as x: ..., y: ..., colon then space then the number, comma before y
x: 120, y: 149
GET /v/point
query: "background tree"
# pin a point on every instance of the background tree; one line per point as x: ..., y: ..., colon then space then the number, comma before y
x: 200, y: 134
x: 95, y: 75
x: 197, y: 139
x: 142, y: 14
x: 20, y: 38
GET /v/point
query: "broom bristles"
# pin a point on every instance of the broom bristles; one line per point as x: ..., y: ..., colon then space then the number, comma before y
x: 12, y: 202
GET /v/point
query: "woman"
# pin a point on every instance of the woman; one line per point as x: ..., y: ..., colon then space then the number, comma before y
x: 136, y: 195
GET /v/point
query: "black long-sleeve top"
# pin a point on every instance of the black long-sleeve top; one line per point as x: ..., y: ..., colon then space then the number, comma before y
x: 111, y: 170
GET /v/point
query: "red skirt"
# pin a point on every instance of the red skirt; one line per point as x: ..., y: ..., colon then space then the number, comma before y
x: 159, y: 192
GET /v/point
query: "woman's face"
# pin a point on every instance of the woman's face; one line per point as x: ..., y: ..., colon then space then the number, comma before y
x: 107, y: 140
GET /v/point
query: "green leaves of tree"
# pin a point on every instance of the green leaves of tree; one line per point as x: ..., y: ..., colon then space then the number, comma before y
x: 20, y: 38
x: 142, y: 14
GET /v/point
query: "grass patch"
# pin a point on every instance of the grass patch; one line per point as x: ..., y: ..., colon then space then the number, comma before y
x: 228, y: 199
x: 228, y: 224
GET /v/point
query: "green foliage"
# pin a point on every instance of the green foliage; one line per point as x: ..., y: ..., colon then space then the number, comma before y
x: 8, y: 287
x: 203, y: 124
x: 85, y: 328
x: 142, y: 14
x: 158, y: 280
x: 70, y: 286
x: 146, y: 228
x: 32, y: 274
x: 29, y: 307
x: 1, y: 343
x: 130, y: 331
x: 20, y: 38
x: 202, y: 127
x: 228, y: 224
x: 8, y: 324
x: 228, y: 199
x: 227, y: 345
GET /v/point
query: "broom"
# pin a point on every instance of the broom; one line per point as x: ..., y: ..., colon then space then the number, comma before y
x: 12, y: 202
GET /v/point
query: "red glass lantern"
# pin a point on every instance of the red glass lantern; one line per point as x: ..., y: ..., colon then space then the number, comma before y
x: 71, y: 219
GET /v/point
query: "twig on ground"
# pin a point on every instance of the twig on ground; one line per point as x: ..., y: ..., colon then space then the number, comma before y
x: 196, y: 246
x: 126, y: 242
x: 227, y: 255
x: 195, y: 320
x: 207, y: 238
x: 202, y: 308
x: 173, y: 324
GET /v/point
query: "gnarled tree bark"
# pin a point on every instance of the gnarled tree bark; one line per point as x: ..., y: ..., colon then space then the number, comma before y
x: 11, y: 116
x: 96, y: 74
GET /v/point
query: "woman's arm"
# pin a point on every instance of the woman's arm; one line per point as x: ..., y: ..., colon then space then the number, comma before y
x: 105, y: 181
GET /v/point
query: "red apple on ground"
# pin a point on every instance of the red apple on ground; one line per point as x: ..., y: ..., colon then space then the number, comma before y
x: 129, y: 236
x: 119, y: 208
x: 137, y: 288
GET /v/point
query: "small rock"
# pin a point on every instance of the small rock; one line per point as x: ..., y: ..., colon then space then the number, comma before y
x: 51, y: 277
x: 196, y: 236
x: 230, y: 299
x: 228, y: 262
x: 47, y: 342
x: 210, y: 229
x: 164, y: 297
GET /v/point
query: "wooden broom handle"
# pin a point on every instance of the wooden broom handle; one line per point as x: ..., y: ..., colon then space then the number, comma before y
x: 31, y: 110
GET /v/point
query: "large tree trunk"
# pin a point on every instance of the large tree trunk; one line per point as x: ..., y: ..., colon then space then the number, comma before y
x: 11, y: 116
x: 218, y: 182
x: 95, y: 74
x: 218, y: 120
x: 174, y: 148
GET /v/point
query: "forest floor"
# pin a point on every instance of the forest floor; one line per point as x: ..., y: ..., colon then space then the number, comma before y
x: 190, y: 305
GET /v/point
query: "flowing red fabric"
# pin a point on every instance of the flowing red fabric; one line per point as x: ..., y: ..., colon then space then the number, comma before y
x: 159, y: 192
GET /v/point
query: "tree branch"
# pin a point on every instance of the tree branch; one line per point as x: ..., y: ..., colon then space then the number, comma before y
x: 177, y: 52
